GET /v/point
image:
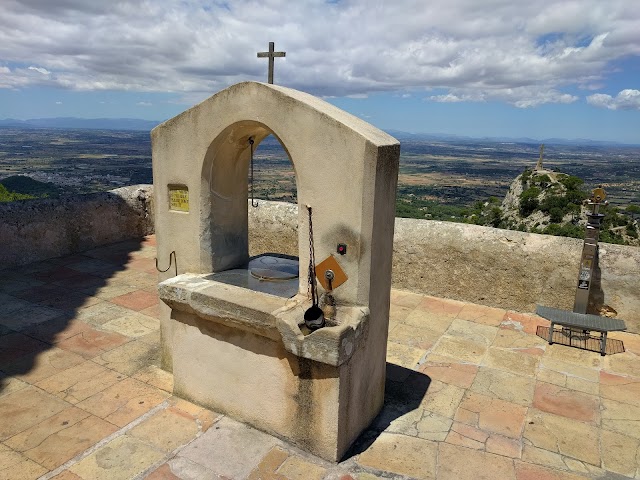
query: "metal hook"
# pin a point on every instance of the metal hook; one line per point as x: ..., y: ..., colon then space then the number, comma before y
x: 254, y: 203
x: 174, y: 262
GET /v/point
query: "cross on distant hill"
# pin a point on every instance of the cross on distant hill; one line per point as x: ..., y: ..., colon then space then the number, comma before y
x: 271, y: 55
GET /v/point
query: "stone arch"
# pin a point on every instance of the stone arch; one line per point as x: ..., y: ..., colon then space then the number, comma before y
x: 346, y: 169
x: 224, y: 193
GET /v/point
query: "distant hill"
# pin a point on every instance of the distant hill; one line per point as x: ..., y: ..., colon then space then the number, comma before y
x: 147, y: 125
x: 28, y: 186
x: 88, y: 123
x: 445, y: 137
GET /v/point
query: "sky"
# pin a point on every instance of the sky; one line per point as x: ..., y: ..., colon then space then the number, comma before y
x: 500, y: 68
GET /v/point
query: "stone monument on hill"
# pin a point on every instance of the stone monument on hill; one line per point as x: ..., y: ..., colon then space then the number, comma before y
x: 233, y: 335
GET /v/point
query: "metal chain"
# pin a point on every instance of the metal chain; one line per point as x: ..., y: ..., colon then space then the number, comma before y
x: 252, y: 197
x: 311, y: 288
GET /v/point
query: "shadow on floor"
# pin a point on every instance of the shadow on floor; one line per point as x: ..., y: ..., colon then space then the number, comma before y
x: 64, y: 302
x: 404, y: 392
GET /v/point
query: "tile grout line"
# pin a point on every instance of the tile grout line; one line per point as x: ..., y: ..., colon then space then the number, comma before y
x: 104, y: 441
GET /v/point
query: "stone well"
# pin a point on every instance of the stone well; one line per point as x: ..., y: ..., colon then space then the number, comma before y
x: 236, y: 347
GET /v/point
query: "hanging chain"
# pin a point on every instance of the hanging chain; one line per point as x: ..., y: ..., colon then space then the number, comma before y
x: 254, y: 203
x: 311, y: 288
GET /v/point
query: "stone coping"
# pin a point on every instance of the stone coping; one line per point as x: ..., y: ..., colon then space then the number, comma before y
x: 276, y: 318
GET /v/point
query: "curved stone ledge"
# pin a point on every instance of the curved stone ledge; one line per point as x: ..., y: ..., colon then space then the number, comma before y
x: 266, y: 315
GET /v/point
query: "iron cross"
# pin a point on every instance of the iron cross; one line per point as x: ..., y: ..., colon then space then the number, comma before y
x: 271, y: 54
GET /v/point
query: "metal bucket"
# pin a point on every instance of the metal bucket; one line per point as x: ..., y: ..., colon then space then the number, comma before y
x: 314, y: 318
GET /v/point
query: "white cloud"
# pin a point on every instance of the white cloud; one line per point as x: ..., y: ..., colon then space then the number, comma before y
x: 144, y: 104
x: 41, y: 70
x: 58, y: 103
x: 627, y: 99
x: 524, y: 53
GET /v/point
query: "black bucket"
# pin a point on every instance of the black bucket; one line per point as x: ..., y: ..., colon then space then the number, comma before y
x: 314, y: 318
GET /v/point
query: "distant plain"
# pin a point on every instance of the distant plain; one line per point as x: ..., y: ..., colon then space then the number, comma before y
x: 455, y: 172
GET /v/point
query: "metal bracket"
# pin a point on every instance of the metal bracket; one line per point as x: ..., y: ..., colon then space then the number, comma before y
x: 171, y: 262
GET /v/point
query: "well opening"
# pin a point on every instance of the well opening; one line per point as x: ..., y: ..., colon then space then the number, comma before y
x: 225, y: 193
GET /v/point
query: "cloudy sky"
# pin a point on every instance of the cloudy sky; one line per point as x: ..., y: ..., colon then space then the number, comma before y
x: 543, y: 68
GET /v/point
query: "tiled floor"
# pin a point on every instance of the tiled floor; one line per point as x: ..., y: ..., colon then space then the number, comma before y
x: 472, y: 393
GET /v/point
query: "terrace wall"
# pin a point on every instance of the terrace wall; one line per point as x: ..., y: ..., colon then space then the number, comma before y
x: 488, y: 266
x: 33, y: 230
x: 500, y: 268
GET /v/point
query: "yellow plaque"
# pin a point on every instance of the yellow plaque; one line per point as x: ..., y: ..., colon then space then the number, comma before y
x: 179, y: 198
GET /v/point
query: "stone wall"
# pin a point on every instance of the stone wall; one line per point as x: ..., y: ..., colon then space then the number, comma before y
x: 500, y: 268
x: 32, y: 230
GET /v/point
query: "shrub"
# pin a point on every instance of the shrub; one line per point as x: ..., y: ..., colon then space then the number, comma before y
x: 529, y: 201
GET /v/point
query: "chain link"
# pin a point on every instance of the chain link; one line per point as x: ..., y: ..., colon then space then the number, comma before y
x: 253, y: 204
x: 311, y: 287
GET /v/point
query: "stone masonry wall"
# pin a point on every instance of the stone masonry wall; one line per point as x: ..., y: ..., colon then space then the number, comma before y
x: 32, y: 230
x: 489, y: 266
x: 500, y: 268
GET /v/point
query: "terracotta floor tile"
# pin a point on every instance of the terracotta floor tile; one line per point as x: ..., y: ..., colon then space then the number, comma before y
x: 527, y: 471
x: 620, y: 388
x: 155, y: 376
x: 482, y: 314
x: 163, y: 472
x: 269, y: 464
x: 404, y: 298
x: 506, y: 386
x: 523, y: 322
x: 566, y: 403
x: 512, y: 361
x: 403, y: 355
x: 15, y: 466
x: 459, y: 463
x: 53, y: 273
x: 124, y: 457
x: 10, y: 384
x: 34, y: 436
x: 100, y: 313
x: 133, y: 325
x: 16, y: 345
x: 11, y: 304
x: 109, y: 291
x: 401, y: 454
x: 56, y: 330
x: 70, y: 301
x: 37, y: 366
x: 66, y: 475
x: 80, y: 281
x: 123, y: 402
x: 491, y: 414
x: 25, y: 408
x: 81, y: 381
x: 64, y: 444
x: 153, y: 311
x: 563, y: 435
x: 441, y: 306
x: 90, y: 343
x: 138, y: 300
x: 458, y: 374
x: 168, y: 429
x: 92, y: 265
x: 413, y: 336
x: 130, y: 357
x: 28, y: 316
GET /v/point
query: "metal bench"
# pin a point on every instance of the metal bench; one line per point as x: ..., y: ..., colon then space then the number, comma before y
x: 581, y: 321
